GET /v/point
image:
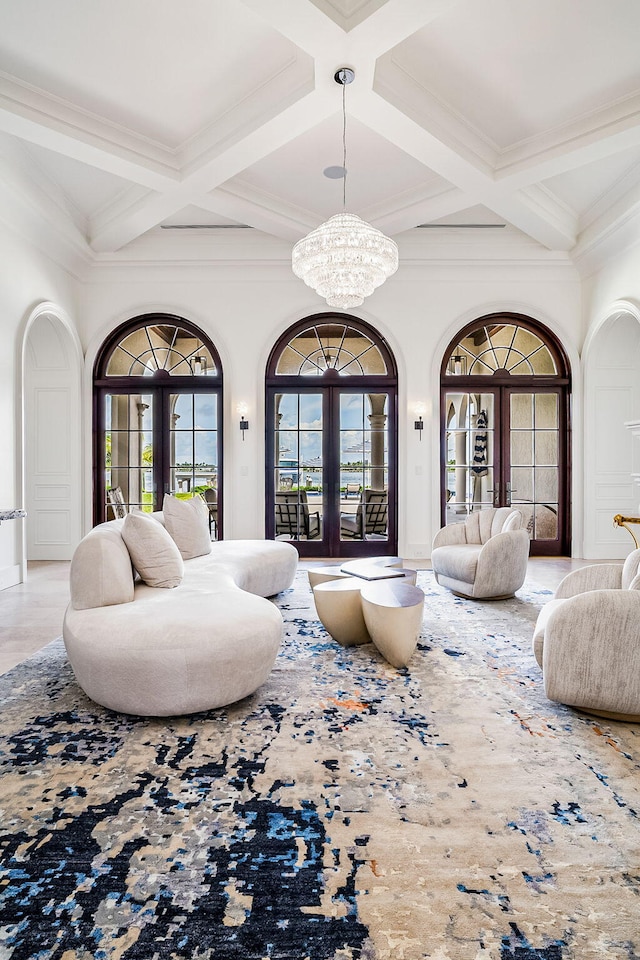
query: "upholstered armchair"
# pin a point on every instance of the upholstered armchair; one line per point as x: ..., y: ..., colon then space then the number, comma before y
x: 484, y: 557
x: 587, y: 640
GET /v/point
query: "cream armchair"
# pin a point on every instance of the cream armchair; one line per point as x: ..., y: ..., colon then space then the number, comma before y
x: 587, y: 640
x: 484, y: 557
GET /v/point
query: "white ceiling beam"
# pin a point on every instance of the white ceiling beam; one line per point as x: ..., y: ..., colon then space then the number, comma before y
x: 301, y: 22
x: 392, y: 23
x: 618, y: 227
x: 48, y: 122
x: 554, y: 228
x: 400, y: 214
x: 110, y: 235
x: 259, y: 211
x: 601, y: 135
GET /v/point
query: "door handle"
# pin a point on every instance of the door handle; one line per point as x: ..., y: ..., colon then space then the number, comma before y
x: 509, y: 492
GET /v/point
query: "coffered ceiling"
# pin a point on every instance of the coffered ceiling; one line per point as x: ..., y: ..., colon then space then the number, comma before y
x: 121, y: 117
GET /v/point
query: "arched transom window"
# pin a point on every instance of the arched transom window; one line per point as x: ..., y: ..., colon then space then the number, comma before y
x: 161, y: 348
x: 334, y: 348
x: 501, y: 348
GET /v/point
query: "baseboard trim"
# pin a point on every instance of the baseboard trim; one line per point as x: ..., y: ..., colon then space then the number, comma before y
x: 10, y: 576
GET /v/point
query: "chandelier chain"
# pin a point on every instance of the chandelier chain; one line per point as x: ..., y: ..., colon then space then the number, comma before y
x: 345, y: 258
x: 344, y: 147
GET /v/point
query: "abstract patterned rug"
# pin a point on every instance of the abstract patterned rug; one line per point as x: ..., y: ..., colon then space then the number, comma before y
x: 346, y: 810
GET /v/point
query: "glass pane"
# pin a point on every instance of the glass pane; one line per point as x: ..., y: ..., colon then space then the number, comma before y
x: 128, y: 453
x: 545, y: 525
x: 546, y: 405
x: 311, y: 411
x: 363, y: 466
x: 521, y: 411
x: 470, y: 452
x: 546, y: 447
x: 287, y: 411
x: 522, y: 484
x: 182, y: 411
x: 521, y: 448
x: 193, y: 449
x: 206, y: 411
x: 297, y: 479
x: 546, y: 480
x: 351, y: 411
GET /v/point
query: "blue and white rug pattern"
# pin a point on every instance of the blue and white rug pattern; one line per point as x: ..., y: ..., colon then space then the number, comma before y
x: 347, y: 810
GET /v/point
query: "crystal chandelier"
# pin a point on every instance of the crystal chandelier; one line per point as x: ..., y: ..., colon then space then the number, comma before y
x: 345, y: 258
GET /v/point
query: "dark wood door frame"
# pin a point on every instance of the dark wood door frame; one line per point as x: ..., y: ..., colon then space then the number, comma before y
x: 502, y: 389
x: 330, y: 544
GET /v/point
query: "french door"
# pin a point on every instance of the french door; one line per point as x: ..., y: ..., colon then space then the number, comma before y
x: 507, y: 446
x: 161, y: 441
x: 330, y: 469
x: 157, y: 418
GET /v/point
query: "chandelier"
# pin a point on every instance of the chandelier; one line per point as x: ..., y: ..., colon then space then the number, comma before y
x: 345, y: 258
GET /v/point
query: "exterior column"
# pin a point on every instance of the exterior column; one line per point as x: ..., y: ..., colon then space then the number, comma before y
x: 378, y: 421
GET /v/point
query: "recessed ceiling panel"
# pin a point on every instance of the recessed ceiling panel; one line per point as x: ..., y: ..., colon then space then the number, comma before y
x: 377, y: 171
x: 582, y: 188
x: 348, y: 13
x: 197, y: 217
x: 88, y: 188
x: 473, y: 217
x: 163, y: 69
x: 515, y: 70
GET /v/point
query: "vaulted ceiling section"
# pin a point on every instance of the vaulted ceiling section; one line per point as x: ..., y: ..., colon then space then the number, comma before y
x: 127, y: 126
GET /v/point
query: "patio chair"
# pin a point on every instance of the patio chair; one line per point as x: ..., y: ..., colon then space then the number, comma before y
x: 372, y: 522
x: 116, y: 499
x: 352, y: 490
x: 293, y: 518
x: 210, y: 497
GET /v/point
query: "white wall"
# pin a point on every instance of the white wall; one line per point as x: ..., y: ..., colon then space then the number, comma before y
x: 611, y: 359
x: 245, y: 307
x: 28, y: 277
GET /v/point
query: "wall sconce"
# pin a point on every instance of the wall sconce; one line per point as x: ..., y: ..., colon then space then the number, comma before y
x: 244, y: 423
x: 200, y: 366
x: 418, y: 424
x: 457, y: 365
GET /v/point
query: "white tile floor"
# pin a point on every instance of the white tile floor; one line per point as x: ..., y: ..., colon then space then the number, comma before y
x: 31, y: 613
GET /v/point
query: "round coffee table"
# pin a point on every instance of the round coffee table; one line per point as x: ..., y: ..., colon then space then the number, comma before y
x: 340, y: 610
x: 383, y: 608
x: 392, y: 612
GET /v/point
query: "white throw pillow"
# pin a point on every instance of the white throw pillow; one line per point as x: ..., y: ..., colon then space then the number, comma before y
x: 153, y: 553
x: 188, y: 523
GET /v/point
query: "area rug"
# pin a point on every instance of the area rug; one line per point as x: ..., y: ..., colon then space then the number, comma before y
x: 346, y: 810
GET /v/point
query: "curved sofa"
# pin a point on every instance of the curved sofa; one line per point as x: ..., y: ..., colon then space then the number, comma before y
x: 163, y: 652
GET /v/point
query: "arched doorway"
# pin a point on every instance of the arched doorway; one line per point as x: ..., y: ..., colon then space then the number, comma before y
x: 52, y: 436
x: 505, y: 390
x: 157, y: 417
x: 331, y: 464
x: 611, y: 358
